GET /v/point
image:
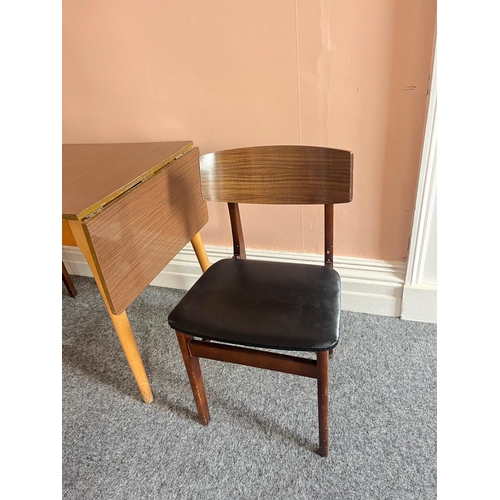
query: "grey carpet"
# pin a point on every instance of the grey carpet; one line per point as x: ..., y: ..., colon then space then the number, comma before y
x: 262, y: 438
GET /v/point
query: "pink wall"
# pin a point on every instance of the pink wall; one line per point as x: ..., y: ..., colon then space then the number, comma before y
x: 348, y: 74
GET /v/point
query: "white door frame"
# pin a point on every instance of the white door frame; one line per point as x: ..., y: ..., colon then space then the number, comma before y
x: 419, y: 295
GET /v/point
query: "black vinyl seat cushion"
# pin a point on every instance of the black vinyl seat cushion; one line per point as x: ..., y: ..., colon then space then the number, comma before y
x: 263, y: 304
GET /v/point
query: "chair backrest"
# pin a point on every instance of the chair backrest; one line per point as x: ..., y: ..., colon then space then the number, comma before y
x: 291, y: 175
x: 298, y: 175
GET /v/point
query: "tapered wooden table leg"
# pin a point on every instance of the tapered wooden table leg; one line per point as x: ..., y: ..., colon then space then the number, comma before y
x: 129, y: 346
x: 68, y: 282
x: 120, y: 321
x: 199, y: 250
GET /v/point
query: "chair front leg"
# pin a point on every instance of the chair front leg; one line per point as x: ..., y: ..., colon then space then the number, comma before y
x: 322, y: 359
x: 195, y: 379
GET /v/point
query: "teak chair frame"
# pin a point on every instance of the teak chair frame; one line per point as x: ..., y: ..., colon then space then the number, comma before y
x: 193, y: 349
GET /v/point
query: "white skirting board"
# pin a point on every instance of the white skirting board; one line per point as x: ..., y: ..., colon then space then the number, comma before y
x: 368, y: 286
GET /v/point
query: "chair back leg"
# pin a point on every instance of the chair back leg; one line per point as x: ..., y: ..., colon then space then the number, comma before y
x: 195, y: 379
x: 322, y: 357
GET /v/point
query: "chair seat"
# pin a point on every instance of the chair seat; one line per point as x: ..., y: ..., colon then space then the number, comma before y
x: 263, y: 304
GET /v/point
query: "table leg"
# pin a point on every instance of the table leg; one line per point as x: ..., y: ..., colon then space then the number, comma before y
x: 200, y: 252
x: 129, y: 346
x: 68, y: 282
x: 120, y: 321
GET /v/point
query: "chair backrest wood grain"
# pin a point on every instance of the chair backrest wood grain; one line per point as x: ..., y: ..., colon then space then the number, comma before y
x: 277, y: 175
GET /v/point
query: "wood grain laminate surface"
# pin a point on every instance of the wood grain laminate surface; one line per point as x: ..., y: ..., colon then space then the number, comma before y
x: 137, y: 235
x: 95, y: 174
x: 278, y: 175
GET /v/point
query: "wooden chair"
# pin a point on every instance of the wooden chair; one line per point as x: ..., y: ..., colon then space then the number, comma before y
x: 68, y: 282
x: 239, y: 307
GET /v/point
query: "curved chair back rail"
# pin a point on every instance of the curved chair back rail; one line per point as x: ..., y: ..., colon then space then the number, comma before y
x: 298, y: 175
